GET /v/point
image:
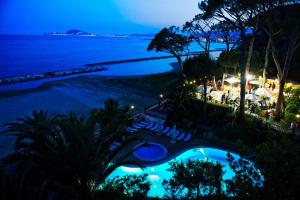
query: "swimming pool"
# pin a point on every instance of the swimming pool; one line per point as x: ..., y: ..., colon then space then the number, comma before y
x: 151, y: 152
x: 157, y: 173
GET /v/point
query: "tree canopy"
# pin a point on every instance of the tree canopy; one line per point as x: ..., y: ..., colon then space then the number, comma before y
x: 170, y: 41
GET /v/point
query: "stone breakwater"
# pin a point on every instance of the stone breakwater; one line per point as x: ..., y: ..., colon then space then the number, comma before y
x: 47, y: 75
x: 93, y: 67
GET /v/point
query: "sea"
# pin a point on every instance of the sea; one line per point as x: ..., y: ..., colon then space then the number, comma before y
x: 32, y: 54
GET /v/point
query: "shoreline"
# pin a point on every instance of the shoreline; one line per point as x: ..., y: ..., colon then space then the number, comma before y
x: 87, y: 68
x: 49, y: 75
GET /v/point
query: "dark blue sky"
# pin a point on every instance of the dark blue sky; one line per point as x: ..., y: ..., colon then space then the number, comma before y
x: 96, y: 16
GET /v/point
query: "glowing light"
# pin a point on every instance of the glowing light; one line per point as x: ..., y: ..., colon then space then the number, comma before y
x: 132, y: 107
x: 131, y: 169
x: 152, y: 169
x: 153, y: 177
x: 202, y: 151
x: 298, y: 116
x: 161, y: 96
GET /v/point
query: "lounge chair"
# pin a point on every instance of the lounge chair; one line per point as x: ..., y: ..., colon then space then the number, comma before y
x: 188, y: 138
x: 151, y: 124
x: 139, y: 124
x: 113, y: 147
x: 154, y: 127
x: 181, y: 136
x: 169, y: 133
x: 176, y: 134
x: 144, y: 123
x: 136, y: 126
x: 159, y: 129
x: 165, y: 130
x: 131, y: 129
x: 117, y: 143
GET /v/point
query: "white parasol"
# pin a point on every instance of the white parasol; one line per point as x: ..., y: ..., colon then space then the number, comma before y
x: 251, y: 97
x: 232, y: 80
x: 255, y: 82
x: 263, y: 92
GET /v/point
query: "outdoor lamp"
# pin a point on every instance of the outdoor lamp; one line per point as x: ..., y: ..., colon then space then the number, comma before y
x: 161, y: 96
x: 132, y: 107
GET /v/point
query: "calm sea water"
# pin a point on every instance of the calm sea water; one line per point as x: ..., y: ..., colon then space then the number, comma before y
x: 24, y: 54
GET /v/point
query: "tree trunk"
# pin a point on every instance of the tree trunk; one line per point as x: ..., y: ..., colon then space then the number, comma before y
x: 243, y: 63
x: 280, y: 99
x: 205, y: 91
x: 266, y: 62
x: 180, y: 65
x: 245, y: 68
x: 215, y: 83
x: 223, y: 80
x: 227, y: 44
x: 205, y: 100
x: 250, y: 52
x: 208, y: 46
x: 278, y: 110
x: 277, y: 64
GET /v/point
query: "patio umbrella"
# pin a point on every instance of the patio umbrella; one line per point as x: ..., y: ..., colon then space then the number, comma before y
x: 232, y: 80
x: 251, y: 97
x: 263, y: 92
x: 255, y: 82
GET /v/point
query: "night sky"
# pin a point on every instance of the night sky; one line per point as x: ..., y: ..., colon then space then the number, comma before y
x: 95, y: 16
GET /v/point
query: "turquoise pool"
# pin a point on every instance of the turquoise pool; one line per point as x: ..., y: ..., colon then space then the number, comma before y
x: 157, y: 173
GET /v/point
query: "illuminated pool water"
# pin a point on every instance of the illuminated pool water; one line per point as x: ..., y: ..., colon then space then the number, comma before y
x: 151, y: 152
x: 156, y: 174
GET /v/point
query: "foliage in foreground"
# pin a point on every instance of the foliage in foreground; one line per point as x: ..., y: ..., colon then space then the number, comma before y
x: 62, y: 155
x: 279, y: 161
x: 196, y: 179
x: 130, y: 186
x: 193, y: 179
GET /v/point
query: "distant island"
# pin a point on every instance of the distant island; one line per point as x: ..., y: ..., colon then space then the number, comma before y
x: 76, y: 32
x: 72, y: 32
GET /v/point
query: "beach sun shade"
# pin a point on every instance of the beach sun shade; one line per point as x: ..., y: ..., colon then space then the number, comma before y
x: 251, y: 97
x: 232, y: 80
x: 263, y: 92
x: 255, y: 82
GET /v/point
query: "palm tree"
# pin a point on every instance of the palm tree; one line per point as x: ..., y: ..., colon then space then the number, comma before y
x: 113, y: 118
x: 71, y: 152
